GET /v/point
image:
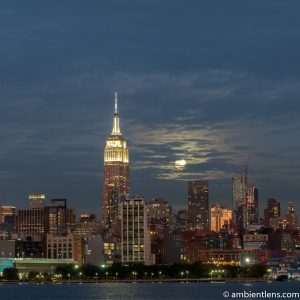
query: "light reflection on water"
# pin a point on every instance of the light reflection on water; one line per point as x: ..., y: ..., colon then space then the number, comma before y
x: 141, y: 291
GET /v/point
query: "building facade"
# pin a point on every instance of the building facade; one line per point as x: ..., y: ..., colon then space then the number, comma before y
x: 59, y: 247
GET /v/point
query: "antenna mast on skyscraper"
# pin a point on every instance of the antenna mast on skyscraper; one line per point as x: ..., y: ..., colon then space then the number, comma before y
x: 247, y: 164
x: 116, y: 102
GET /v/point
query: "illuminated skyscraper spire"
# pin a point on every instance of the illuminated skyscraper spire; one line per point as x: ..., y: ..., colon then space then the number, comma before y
x: 116, y: 125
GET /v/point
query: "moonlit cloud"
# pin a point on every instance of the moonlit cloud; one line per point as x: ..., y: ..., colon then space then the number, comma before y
x: 229, y: 142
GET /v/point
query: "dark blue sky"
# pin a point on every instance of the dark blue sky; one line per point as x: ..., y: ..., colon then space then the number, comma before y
x: 207, y: 81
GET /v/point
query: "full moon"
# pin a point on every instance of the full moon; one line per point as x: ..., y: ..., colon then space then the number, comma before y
x: 180, y: 164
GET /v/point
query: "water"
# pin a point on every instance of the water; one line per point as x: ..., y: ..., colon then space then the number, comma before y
x: 117, y: 291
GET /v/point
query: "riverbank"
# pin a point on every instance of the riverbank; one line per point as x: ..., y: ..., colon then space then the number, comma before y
x: 185, y: 280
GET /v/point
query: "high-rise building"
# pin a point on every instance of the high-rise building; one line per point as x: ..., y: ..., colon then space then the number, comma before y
x: 135, y: 236
x: 272, y: 213
x: 160, y: 212
x: 160, y: 219
x: 239, y: 197
x: 116, y: 171
x: 245, y: 201
x: 198, y: 203
x: 291, y: 217
x: 30, y: 222
x: 220, y: 217
x: 252, y: 206
x: 56, y: 217
x: 37, y: 200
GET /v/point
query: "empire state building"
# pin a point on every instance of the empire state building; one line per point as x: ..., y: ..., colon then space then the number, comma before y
x: 116, y: 171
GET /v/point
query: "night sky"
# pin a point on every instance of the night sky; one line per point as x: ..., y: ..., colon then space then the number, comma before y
x: 211, y: 82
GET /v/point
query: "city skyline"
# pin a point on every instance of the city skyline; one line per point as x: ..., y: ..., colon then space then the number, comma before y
x: 194, y: 96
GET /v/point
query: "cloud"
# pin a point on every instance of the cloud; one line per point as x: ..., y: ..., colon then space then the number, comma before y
x: 224, y: 147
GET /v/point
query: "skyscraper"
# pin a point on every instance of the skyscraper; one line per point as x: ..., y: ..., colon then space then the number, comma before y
x: 56, y: 217
x: 135, y: 233
x: 252, y: 206
x: 30, y: 222
x: 198, y: 203
x: 291, y: 217
x: 160, y: 212
x: 116, y: 171
x: 272, y: 213
x: 245, y: 201
x: 239, y: 197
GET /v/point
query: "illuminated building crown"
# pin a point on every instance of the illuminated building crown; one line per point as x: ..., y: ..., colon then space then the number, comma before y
x: 116, y: 147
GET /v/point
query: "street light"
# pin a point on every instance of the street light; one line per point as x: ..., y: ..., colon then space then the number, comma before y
x: 134, y: 274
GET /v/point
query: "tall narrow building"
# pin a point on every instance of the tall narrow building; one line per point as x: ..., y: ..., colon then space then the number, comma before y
x: 198, y: 203
x: 252, y: 206
x: 291, y: 217
x: 135, y: 234
x: 272, y: 213
x: 56, y: 217
x: 116, y: 171
x: 239, y: 197
x: 245, y: 201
